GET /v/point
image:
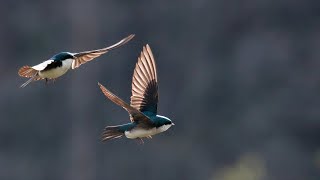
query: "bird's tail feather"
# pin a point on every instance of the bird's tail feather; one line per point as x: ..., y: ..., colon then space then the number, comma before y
x: 27, y: 71
x: 111, y: 132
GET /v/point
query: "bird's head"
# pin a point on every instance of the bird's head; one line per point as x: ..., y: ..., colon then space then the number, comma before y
x: 62, y: 56
x: 164, y: 121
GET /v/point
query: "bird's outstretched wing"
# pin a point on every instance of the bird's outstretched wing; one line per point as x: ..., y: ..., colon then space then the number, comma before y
x: 145, y: 83
x: 86, y: 56
x: 135, y: 115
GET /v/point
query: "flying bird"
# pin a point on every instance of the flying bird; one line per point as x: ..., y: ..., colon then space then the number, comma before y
x: 142, y: 110
x: 60, y: 63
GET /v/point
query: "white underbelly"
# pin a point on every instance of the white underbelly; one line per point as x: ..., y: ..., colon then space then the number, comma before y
x: 56, y: 72
x: 141, y: 133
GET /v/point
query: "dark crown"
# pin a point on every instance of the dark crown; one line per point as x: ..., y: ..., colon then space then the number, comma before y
x: 62, y: 56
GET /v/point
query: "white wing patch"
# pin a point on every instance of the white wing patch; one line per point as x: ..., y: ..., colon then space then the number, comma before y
x: 58, y: 71
x: 42, y: 65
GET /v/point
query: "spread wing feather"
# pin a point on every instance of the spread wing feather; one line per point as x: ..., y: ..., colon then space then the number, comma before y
x: 87, y: 56
x: 145, y: 83
x: 135, y: 115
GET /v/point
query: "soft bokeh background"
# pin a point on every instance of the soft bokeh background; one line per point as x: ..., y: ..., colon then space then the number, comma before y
x: 240, y: 79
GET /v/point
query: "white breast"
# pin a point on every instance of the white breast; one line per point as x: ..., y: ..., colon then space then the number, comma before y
x: 140, y: 133
x: 56, y: 72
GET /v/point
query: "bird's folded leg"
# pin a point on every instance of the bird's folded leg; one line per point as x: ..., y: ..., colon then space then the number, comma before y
x: 140, y: 141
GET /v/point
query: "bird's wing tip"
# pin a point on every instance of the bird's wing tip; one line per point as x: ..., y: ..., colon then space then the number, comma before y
x: 131, y: 36
x: 100, y: 85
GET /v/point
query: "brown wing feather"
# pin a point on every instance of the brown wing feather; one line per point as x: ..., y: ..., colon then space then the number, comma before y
x: 87, y: 56
x: 145, y: 83
x: 135, y: 115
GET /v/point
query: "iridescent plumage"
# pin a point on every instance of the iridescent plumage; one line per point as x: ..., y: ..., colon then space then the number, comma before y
x: 60, y: 63
x: 143, y: 108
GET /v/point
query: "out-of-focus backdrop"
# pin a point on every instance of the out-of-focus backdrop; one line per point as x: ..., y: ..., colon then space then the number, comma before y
x: 240, y: 79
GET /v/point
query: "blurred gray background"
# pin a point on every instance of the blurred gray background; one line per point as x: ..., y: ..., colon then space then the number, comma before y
x: 240, y: 79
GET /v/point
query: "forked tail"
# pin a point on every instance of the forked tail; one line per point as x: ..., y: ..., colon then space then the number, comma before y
x: 28, y: 72
x: 111, y: 132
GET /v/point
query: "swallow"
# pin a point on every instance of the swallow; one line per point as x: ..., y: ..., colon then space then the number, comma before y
x: 145, y: 122
x: 60, y: 63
